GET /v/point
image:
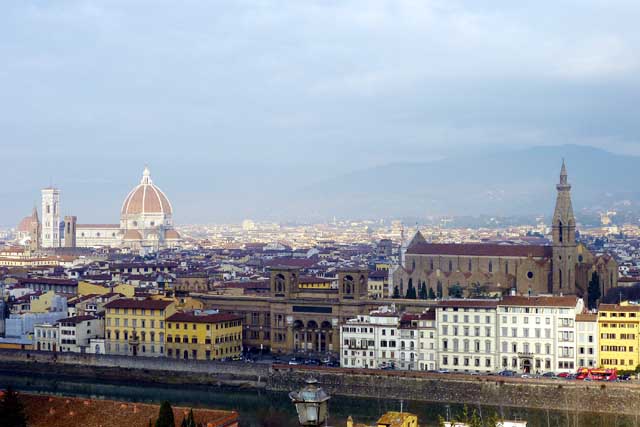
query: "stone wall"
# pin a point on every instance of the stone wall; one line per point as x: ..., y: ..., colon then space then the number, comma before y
x: 560, y: 395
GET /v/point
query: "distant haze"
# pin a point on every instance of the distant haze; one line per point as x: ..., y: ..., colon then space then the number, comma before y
x: 281, y: 110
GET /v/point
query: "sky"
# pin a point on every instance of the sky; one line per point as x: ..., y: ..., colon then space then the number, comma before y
x: 226, y: 100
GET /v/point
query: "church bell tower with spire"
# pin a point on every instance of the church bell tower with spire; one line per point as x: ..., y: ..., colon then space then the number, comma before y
x: 564, y: 239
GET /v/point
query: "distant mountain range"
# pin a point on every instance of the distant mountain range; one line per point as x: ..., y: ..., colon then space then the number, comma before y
x: 511, y: 182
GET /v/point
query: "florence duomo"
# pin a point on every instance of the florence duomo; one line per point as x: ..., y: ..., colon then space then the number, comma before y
x: 146, y: 223
x: 564, y: 267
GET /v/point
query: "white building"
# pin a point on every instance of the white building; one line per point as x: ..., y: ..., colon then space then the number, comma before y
x: 467, y: 335
x: 427, y: 341
x: 50, y: 218
x: 538, y: 334
x: 370, y: 341
x: 587, y: 340
x: 76, y: 332
x: 408, y: 351
x: 46, y: 337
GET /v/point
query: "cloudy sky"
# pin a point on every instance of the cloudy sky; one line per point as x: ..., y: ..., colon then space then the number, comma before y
x: 223, y: 97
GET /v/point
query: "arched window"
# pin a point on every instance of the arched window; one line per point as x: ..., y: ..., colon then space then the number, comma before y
x: 560, y: 231
x: 470, y: 265
x: 490, y: 267
x: 431, y: 264
x: 450, y: 265
x: 413, y: 264
x: 506, y: 267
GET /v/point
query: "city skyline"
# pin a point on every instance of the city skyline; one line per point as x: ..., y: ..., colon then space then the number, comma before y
x: 226, y: 99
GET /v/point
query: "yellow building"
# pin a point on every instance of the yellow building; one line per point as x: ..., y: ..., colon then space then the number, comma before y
x: 42, y: 303
x: 390, y: 419
x: 86, y: 288
x: 203, y: 336
x: 310, y: 282
x: 619, y: 336
x: 378, y: 285
x: 136, y: 327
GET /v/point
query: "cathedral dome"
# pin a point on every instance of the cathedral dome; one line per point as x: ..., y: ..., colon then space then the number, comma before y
x: 146, y: 198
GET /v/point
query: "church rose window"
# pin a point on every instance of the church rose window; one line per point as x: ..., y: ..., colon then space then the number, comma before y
x: 530, y: 274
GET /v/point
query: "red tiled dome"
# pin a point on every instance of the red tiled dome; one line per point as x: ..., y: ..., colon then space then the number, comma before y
x: 172, y: 235
x: 132, y: 235
x: 146, y: 198
x: 24, y: 225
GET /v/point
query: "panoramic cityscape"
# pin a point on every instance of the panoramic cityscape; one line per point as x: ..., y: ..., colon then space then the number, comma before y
x: 359, y: 214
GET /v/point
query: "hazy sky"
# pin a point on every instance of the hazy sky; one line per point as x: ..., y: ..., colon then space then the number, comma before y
x: 218, y: 97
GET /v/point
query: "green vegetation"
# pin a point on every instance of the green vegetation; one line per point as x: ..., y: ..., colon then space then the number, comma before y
x: 165, y: 416
x: 473, y: 419
x: 594, y: 293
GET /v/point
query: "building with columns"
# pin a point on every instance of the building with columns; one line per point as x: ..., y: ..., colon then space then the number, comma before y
x: 564, y: 267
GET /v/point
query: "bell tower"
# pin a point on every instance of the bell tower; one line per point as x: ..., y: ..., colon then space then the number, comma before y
x: 564, y: 239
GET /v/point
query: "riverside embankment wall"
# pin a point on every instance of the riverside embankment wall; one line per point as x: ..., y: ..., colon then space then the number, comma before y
x: 557, y: 395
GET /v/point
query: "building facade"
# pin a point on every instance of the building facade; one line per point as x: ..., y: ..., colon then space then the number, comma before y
x: 370, y: 341
x: 467, y: 332
x: 619, y: 335
x: 587, y: 340
x: 136, y: 327
x: 202, y: 336
x: 538, y: 334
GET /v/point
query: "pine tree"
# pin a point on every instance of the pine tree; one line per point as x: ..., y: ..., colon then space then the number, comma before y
x: 11, y: 410
x: 165, y: 416
x: 432, y: 295
x: 423, y: 291
x: 411, y: 291
x: 593, y: 291
x: 396, y: 292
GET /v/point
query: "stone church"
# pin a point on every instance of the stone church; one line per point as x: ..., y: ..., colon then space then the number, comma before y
x: 564, y: 267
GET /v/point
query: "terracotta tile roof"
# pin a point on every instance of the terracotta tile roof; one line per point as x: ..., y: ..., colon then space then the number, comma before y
x: 586, y: 317
x: 47, y: 281
x: 204, y: 318
x: 87, y: 226
x: 616, y: 307
x: 480, y: 249
x: 150, y: 304
x: 469, y: 303
x: 539, y: 301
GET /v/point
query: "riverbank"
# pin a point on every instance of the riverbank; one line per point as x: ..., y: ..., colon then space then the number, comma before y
x: 555, y: 395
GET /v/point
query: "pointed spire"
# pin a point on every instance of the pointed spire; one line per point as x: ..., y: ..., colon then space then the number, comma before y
x: 34, y: 213
x: 564, y: 181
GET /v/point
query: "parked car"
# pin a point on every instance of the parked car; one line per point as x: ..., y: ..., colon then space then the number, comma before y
x: 312, y: 362
x: 507, y: 373
x: 563, y: 375
x: 294, y: 361
x: 549, y: 375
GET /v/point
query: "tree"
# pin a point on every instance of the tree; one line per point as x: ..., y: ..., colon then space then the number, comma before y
x: 11, y: 410
x: 423, y: 291
x: 165, y: 416
x: 432, y: 295
x: 478, y: 290
x: 594, y: 293
x: 396, y: 292
x: 455, y: 291
x: 411, y: 291
x: 191, y: 421
x: 439, y: 289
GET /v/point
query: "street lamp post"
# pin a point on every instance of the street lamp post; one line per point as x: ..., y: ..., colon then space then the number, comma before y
x: 311, y: 404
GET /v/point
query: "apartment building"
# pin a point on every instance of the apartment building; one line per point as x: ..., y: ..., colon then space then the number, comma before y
x: 203, y: 336
x: 618, y: 332
x: 427, y: 341
x: 587, y: 340
x: 370, y: 341
x: 76, y: 333
x: 538, y: 334
x: 467, y: 335
x: 136, y: 327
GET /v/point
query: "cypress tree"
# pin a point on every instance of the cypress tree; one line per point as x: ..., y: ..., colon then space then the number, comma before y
x: 165, y: 416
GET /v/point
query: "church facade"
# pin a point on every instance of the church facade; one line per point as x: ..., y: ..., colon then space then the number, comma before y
x: 474, y: 269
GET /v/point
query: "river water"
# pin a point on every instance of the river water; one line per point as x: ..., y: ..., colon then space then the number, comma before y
x: 271, y: 409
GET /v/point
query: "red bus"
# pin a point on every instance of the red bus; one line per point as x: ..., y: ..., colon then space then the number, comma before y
x: 597, y: 374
